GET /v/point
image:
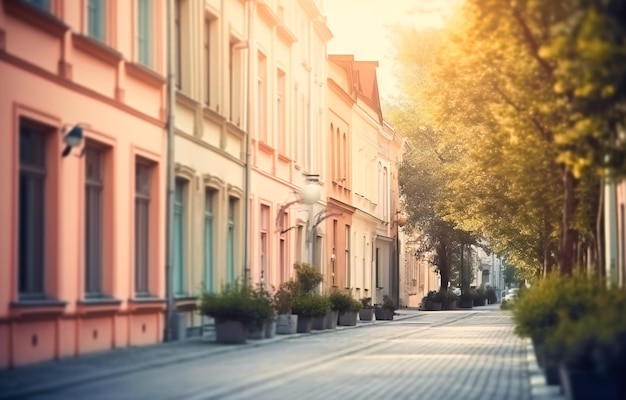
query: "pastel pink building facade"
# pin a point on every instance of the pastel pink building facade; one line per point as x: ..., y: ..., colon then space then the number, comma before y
x: 81, y: 233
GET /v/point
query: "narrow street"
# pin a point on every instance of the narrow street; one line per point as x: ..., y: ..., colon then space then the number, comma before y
x: 461, y: 354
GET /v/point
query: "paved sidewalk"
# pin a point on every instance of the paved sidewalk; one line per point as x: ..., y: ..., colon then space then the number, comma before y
x: 30, y: 381
x: 46, y: 376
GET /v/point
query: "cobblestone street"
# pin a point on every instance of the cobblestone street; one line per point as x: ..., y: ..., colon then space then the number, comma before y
x: 461, y: 354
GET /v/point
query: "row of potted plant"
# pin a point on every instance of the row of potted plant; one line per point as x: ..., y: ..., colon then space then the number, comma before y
x: 448, y: 300
x: 578, y: 329
x: 242, y: 312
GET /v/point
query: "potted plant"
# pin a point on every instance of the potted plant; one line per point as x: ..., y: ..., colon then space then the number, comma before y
x: 466, y: 300
x: 433, y: 301
x: 366, y: 312
x: 265, y: 321
x: 321, y: 322
x: 546, y: 306
x: 451, y: 300
x: 491, y: 296
x: 591, y: 353
x: 234, y: 309
x: 386, y: 310
x: 286, y: 320
x: 479, y: 297
x: 307, y: 306
x: 348, y: 309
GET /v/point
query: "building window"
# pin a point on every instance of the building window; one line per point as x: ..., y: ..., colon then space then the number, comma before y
x: 230, y: 240
x: 179, y: 237
x: 31, y: 220
x: 209, y: 199
x: 144, y: 32
x: 178, y: 39
x: 235, y: 81
x: 262, y: 97
x: 377, y: 263
x: 281, y: 112
x: 332, y: 272
x: 264, y: 243
x: 385, y: 195
x: 282, y: 261
x: 41, y: 4
x: 347, y: 258
x: 299, y: 242
x: 143, y: 174
x: 210, y: 35
x: 94, y: 185
x: 96, y: 23
x: 344, y: 160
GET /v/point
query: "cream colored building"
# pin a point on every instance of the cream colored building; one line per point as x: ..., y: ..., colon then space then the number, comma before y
x: 367, y: 120
x: 249, y: 119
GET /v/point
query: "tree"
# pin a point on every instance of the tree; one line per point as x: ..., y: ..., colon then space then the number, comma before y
x: 489, y: 94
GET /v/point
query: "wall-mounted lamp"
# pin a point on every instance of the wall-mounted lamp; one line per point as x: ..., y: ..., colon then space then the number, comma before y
x: 72, y: 139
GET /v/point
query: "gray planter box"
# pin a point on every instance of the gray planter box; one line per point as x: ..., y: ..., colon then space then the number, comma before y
x: 348, y: 318
x: 383, y: 314
x: 319, y: 323
x: 286, y: 324
x: 331, y: 319
x: 231, y: 332
x: 304, y: 324
x: 270, y: 329
x: 256, y: 333
x: 366, y: 314
x: 432, y: 306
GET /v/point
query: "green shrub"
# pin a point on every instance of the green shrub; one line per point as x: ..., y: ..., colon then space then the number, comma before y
x: 343, y: 301
x: 310, y: 305
x: 593, y: 341
x: 366, y: 302
x: 283, y: 298
x: 388, y: 303
x: 538, y: 310
x: 307, y: 277
x: 490, y: 295
x: 235, y: 301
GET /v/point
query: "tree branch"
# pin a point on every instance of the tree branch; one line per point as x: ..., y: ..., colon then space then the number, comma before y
x: 532, y: 44
x: 542, y: 131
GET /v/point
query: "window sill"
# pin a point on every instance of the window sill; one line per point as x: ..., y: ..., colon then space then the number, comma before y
x: 36, y: 17
x: 145, y: 74
x: 98, y: 305
x: 146, y: 304
x: 45, y: 307
x: 97, y: 49
x: 186, y: 303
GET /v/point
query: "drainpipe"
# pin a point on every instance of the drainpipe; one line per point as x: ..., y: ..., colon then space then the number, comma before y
x: 246, y: 241
x: 171, y: 180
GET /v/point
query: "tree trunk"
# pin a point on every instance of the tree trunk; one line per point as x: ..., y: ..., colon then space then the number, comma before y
x: 599, y: 250
x: 569, y: 233
x: 444, y: 267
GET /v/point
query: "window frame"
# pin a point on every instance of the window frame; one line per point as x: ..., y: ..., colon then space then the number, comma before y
x: 147, y: 199
x: 96, y: 184
x: 180, y: 236
x: 144, y: 52
x: 29, y: 287
x: 212, y: 194
x: 99, y: 6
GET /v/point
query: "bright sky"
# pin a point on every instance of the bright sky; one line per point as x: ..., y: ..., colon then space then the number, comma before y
x: 362, y: 28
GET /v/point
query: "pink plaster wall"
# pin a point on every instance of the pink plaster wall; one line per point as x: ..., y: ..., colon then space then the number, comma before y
x: 33, y: 87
